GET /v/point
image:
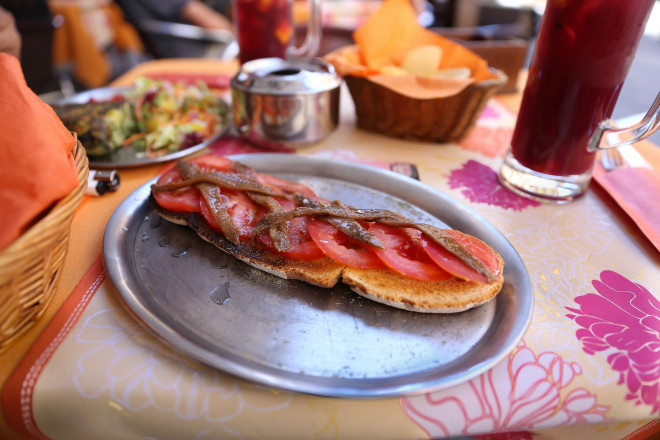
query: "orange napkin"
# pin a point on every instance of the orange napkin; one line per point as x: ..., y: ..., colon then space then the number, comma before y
x: 387, y: 36
x: 637, y: 191
x: 36, y: 165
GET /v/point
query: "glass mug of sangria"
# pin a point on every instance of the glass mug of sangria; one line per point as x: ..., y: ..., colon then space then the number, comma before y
x: 583, y: 52
x: 266, y: 28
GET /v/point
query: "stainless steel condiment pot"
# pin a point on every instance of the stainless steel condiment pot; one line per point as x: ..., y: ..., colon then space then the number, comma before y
x: 279, y: 103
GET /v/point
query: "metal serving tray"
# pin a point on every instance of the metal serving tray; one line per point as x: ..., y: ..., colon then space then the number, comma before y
x: 297, y: 337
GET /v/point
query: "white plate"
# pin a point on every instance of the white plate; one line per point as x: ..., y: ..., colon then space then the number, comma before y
x: 297, y: 337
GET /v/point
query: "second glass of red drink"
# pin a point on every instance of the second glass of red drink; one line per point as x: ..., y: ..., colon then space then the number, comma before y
x: 583, y: 53
x: 265, y: 29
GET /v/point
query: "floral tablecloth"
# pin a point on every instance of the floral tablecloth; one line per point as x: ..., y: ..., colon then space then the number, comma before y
x: 589, y: 364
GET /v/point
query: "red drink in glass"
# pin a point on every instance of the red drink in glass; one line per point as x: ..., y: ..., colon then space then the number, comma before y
x: 583, y: 53
x: 264, y: 28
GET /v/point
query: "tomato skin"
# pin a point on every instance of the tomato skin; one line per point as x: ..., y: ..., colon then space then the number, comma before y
x: 184, y: 199
x: 340, y: 247
x: 302, y: 246
x: 404, y: 255
x: 187, y: 199
x: 243, y: 212
x: 241, y: 209
x: 285, y: 186
x: 456, y: 267
x: 210, y: 162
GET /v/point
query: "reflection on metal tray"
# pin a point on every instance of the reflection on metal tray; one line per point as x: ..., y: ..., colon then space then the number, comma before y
x: 298, y: 337
x: 127, y: 157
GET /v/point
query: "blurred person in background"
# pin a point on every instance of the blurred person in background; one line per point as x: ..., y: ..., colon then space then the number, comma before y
x: 192, y: 12
x: 10, y: 39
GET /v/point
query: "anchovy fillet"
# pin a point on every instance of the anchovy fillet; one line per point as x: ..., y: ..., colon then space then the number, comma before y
x: 211, y: 195
x: 224, y: 180
x: 278, y: 233
x: 348, y: 226
x: 343, y: 217
x: 383, y: 216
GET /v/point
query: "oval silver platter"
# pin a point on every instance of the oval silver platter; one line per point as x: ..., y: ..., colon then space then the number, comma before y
x: 127, y: 157
x: 297, y: 337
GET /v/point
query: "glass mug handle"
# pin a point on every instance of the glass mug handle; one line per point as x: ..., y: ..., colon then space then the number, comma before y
x: 310, y: 45
x: 643, y: 129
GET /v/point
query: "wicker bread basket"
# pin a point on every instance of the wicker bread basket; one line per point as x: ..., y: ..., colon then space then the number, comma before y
x: 448, y: 119
x: 30, y: 266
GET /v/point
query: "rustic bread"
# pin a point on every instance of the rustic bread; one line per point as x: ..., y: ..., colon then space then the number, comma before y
x: 449, y: 296
x: 380, y: 285
x: 324, y: 272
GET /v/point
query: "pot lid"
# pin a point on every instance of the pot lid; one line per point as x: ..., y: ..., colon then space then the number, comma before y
x: 275, y: 76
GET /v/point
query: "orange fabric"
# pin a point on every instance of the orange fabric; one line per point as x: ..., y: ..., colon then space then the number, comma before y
x: 387, y: 34
x: 36, y: 166
x: 630, y: 188
x: 73, y: 42
x: 79, y: 296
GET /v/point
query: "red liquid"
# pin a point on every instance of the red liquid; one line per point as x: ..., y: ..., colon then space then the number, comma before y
x: 583, y: 53
x: 264, y: 28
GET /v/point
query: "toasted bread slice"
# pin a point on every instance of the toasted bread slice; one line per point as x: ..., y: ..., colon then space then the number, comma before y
x: 449, y: 296
x: 380, y: 285
x: 323, y: 272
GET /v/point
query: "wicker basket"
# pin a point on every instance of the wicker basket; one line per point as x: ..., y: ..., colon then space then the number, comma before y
x: 30, y: 266
x: 449, y: 119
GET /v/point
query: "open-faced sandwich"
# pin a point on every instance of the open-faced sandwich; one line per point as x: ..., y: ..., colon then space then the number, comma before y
x: 283, y: 228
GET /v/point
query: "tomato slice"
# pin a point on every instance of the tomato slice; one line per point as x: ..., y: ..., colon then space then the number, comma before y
x: 456, y: 267
x: 184, y: 199
x: 405, y: 256
x: 302, y: 245
x: 210, y: 162
x: 340, y: 247
x: 242, y: 211
x: 187, y: 199
x: 286, y: 186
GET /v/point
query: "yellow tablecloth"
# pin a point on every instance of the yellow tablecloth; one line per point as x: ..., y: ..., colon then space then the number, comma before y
x: 581, y: 369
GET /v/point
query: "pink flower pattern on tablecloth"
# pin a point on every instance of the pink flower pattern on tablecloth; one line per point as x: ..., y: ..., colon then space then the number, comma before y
x: 623, y: 318
x: 489, y: 141
x: 524, y: 391
x: 479, y: 184
x: 490, y: 112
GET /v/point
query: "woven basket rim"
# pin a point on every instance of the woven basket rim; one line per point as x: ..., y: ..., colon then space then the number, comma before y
x: 500, y: 79
x: 62, y: 208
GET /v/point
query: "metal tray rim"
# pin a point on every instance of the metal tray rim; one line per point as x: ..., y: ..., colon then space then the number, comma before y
x: 408, y: 189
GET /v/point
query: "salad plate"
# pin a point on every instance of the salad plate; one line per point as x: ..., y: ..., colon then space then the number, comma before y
x: 129, y: 157
x: 297, y: 337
